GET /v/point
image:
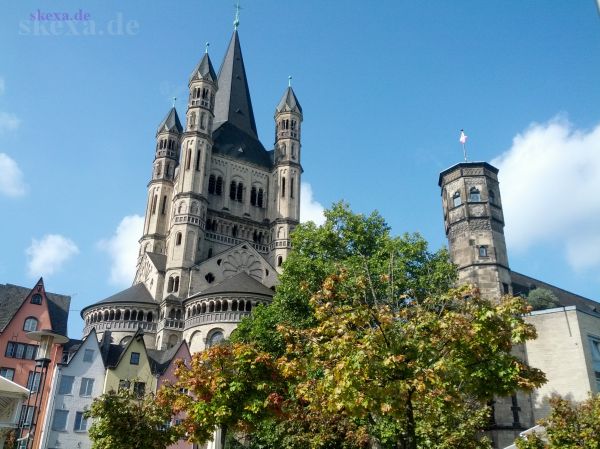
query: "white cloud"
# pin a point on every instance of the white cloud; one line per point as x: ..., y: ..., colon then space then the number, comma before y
x: 310, y: 209
x: 11, y: 177
x: 8, y: 122
x: 122, y: 248
x: 48, y: 255
x: 550, y: 183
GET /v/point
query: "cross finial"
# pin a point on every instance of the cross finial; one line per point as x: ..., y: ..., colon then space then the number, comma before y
x: 236, y: 22
x: 174, y: 100
x: 290, y: 81
x: 206, y: 47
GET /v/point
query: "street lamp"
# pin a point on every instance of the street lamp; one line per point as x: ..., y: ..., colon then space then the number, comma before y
x: 47, y: 339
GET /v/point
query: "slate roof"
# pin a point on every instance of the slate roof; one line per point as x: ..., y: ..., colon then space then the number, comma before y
x: 170, y: 123
x: 161, y: 358
x: 12, y: 296
x: 204, y: 69
x: 230, y: 141
x: 289, y: 101
x: 137, y: 294
x: 239, y: 283
x: 159, y: 260
x: 522, y: 285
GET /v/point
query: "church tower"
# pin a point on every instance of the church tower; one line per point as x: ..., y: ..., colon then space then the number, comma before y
x: 286, y: 175
x: 474, y: 225
x: 190, y: 199
x: 160, y: 187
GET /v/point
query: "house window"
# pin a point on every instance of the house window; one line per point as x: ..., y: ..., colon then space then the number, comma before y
x: 87, y: 385
x: 80, y: 422
x: 88, y: 355
x: 20, y: 351
x: 456, y: 199
x: 60, y: 420
x: 36, y: 299
x: 124, y: 385
x: 30, y: 325
x: 26, y: 415
x: 66, y: 384
x: 474, y: 195
x: 33, y: 381
x: 7, y: 373
x: 135, y: 358
x: 595, y: 346
x: 483, y: 251
x: 139, y: 389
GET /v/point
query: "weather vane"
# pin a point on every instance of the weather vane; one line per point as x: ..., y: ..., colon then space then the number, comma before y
x: 236, y: 22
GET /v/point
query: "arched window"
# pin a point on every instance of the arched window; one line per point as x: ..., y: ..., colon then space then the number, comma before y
x: 279, y: 261
x: 291, y: 187
x: 225, y: 306
x: 170, y: 285
x: 105, y: 315
x: 283, y: 187
x: 111, y: 315
x: 215, y: 338
x: 140, y: 315
x: 211, y: 307
x: 203, y: 120
x: 259, y: 200
x: 219, y: 186
x: 218, y: 306
x: 240, y: 192
x: 153, y: 207
x: 456, y: 199
x: 234, y: 305
x: 30, y: 324
x: 234, y: 231
x: 203, y: 308
x: 118, y: 315
x: 211, y: 184
x: 176, y: 284
x: 178, y: 315
x: 253, y: 196
x: 198, y: 154
x: 163, y: 207
x: 172, y: 314
x: 178, y: 239
x: 248, y: 306
x: 188, y: 159
x: 133, y: 316
x: 126, y: 315
x: 492, y: 197
x: 232, y: 190
x: 474, y: 194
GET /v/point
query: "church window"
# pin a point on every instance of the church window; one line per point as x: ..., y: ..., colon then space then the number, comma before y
x: 172, y: 314
x: 474, y: 194
x: 209, y: 255
x: 293, y: 124
x: 163, y: 206
x: 219, y: 186
x: 254, y: 236
x: 170, y: 285
x: 176, y: 284
x: 118, y: 315
x: 188, y: 159
x: 153, y: 206
x: 215, y: 338
x: 259, y: 199
x: 248, y: 306
x: 253, y: 196
x: 211, y: 184
x: 111, y: 315
x: 293, y: 151
x: 210, y: 278
x: 260, y: 237
x: 234, y: 231
x: 492, y: 197
x: 198, y: 160
x: 234, y: 305
x: 203, y: 308
x: 279, y: 261
x: 30, y: 324
x: 240, y: 192
x: 203, y: 120
x: 291, y: 187
x: 140, y: 316
x: 126, y: 315
x: 178, y: 239
x: 483, y: 251
x: 192, y: 120
x: 456, y: 199
x: 204, y: 93
x: 218, y: 306
x: 211, y: 307
x: 283, y: 187
x: 106, y: 315
x: 282, y: 148
x: 232, y: 190
x: 225, y: 306
x: 149, y: 317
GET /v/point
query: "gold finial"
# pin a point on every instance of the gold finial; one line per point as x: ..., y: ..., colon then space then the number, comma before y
x: 206, y: 47
x: 236, y: 22
x: 290, y: 81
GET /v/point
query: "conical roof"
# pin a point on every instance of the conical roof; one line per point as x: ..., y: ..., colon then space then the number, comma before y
x: 204, y: 70
x: 170, y: 123
x: 289, y: 102
x: 238, y: 283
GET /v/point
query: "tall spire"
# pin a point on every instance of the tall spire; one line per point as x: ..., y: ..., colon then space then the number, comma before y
x: 233, y: 103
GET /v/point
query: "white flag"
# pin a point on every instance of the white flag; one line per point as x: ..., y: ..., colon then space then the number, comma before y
x: 463, y: 137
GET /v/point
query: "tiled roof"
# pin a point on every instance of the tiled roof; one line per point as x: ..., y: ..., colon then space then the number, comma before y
x: 137, y: 294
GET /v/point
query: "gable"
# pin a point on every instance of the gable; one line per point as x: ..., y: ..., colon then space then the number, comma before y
x: 150, y: 272
x: 242, y: 258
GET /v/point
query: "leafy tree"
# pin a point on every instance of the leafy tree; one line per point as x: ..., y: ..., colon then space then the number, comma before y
x: 121, y: 420
x: 569, y: 426
x: 364, y: 345
x: 541, y: 298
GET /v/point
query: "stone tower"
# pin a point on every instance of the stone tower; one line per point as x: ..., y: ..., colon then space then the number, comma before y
x: 474, y: 225
x: 286, y: 175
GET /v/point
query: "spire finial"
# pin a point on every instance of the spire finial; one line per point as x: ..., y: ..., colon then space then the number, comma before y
x: 206, y: 47
x: 290, y: 81
x: 236, y: 22
x: 174, y: 100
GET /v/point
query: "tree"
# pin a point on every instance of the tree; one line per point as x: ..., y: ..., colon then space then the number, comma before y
x: 364, y: 345
x: 569, y: 426
x: 541, y: 298
x: 124, y: 421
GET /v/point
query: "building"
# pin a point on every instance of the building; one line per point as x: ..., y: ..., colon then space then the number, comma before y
x: 12, y: 399
x: 568, y: 345
x: 24, y: 310
x: 219, y: 213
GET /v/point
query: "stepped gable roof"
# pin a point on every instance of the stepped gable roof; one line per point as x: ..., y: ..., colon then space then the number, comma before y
x: 159, y: 260
x: 523, y: 283
x: 137, y: 294
x: 13, y: 296
x: 238, y: 283
x: 170, y: 123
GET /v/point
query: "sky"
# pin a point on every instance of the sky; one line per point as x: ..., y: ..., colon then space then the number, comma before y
x: 385, y: 87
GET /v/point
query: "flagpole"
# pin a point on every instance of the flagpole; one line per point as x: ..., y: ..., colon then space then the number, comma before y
x: 464, y: 145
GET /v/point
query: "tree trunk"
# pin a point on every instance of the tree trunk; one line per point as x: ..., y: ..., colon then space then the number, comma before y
x: 410, y: 438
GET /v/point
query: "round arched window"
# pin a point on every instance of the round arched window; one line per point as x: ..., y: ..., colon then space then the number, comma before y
x: 30, y: 325
x: 215, y: 338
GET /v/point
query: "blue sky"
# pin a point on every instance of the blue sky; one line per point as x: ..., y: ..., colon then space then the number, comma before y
x: 385, y: 87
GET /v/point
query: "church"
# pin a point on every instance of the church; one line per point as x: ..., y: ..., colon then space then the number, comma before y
x: 219, y: 213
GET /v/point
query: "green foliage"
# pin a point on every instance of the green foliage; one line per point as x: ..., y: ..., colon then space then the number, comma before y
x: 365, y: 345
x: 541, y: 298
x: 121, y: 420
x: 569, y: 426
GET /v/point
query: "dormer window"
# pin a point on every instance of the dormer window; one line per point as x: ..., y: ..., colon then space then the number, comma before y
x: 474, y: 195
x: 456, y: 200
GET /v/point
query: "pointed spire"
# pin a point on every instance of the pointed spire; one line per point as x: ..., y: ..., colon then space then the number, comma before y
x: 289, y: 102
x: 204, y: 69
x: 170, y: 123
x: 233, y: 103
